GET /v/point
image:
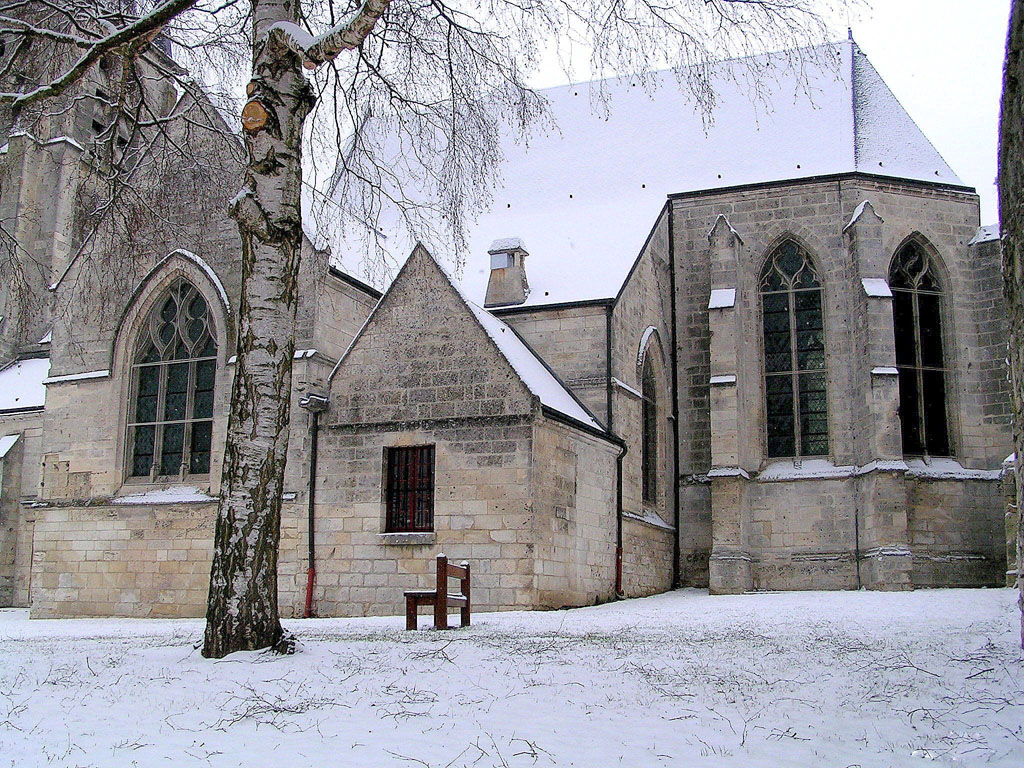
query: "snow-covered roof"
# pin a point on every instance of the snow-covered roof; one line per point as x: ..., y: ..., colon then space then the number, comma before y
x: 21, y: 384
x: 586, y: 194
x: 537, y: 377
x: 985, y: 234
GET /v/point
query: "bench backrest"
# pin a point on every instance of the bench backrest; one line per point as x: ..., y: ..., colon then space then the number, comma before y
x: 446, y: 570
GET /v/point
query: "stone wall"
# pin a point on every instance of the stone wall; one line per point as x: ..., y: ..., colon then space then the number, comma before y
x: 861, y: 400
x: 647, y: 551
x: 801, y: 534
x: 1011, y: 519
x: 572, y: 340
x: 483, y: 513
x: 956, y: 532
x: 19, y: 486
x: 642, y: 332
x: 573, y: 482
x: 341, y: 309
x: 122, y: 560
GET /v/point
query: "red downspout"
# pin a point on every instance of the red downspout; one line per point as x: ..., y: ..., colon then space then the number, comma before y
x: 315, y: 405
x: 310, y: 577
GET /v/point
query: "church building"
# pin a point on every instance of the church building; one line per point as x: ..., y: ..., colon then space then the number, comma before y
x: 763, y: 353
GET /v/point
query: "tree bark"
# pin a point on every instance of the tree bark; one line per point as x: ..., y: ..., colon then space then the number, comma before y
x: 242, y: 610
x: 1011, y: 216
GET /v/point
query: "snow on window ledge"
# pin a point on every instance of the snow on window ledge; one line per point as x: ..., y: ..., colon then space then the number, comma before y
x: 823, y: 469
x: 406, y: 539
x: 948, y: 469
x: 729, y: 472
x: 806, y: 469
x: 185, y: 494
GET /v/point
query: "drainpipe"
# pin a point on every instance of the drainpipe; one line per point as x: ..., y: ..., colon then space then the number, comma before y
x: 622, y: 454
x: 315, y: 404
x: 856, y: 538
x: 618, y: 522
x: 676, y: 547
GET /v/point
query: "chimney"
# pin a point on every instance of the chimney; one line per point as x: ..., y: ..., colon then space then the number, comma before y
x: 508, y: 285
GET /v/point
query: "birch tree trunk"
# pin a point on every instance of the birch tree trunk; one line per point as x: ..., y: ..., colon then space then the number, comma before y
x: 1011, y: 216
x: 242, y: 611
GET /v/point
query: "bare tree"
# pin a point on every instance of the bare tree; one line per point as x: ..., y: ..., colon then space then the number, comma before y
x: 439, y: 77
x: 1011, y: 217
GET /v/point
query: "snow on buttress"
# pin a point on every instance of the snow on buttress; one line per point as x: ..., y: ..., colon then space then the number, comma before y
x: 21, y: 384
x: 722, y: 298
x: 585, y: 195
x: 985, y: 234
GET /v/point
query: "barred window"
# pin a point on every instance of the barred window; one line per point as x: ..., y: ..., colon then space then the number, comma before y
x: 409, y: 489
x: 920, y: 359
x: 649, y: 437
x: 796, y: 398
x: 170, y: 422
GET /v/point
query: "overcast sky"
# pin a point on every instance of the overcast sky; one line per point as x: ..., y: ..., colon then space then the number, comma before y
x: 944, y: 59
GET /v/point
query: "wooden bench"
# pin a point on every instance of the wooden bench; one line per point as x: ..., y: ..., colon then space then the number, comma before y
x: 441, y: 598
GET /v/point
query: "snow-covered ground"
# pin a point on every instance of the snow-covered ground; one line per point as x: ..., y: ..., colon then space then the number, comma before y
x: 797, y: 679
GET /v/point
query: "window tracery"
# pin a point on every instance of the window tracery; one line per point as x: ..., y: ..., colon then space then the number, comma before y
x: 796, y: 396
x: 649, y: 433
x: 170, y: 421
x: 920, y: 358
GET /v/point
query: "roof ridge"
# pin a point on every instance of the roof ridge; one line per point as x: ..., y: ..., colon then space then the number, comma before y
x: 710, y: 62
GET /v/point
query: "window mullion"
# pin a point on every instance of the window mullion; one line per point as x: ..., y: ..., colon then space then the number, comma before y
x: 158, y: 427
x: 186, y: 446
x: 794, y: 373
x: 919, y: 372
x: 131, y: 440
x: 412, y: 469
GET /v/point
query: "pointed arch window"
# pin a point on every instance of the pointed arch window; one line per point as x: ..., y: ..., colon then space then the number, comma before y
x: 796, y: 398
x: 170, y: 422
x: 649, y: 433
x: 920, y: 358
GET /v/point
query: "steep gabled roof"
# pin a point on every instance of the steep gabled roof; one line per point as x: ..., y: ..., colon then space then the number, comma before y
x: 527, y: 366
x: 537, y: 377
x: 585, y: 195
x: 585, y: 198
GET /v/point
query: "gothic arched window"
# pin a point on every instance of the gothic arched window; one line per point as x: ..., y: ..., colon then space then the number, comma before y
x: 649, y: 433
x: 920, y: 360
x: 170, y: 422
x: 796, y: 402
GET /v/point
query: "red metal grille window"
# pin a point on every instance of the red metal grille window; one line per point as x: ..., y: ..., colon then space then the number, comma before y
x: 410, y: 489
